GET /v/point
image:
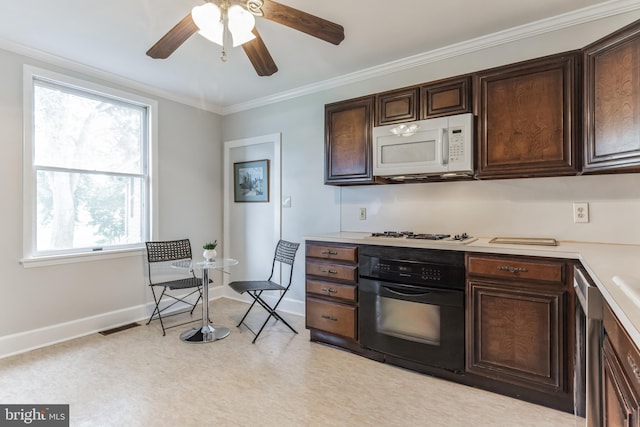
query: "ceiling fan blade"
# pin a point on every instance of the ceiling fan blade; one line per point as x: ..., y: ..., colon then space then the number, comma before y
x: 174, y: 38
x: 302, y: 21
x: 259, y: 56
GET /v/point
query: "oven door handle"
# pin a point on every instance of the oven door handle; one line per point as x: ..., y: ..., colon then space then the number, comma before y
x: 406, y: 294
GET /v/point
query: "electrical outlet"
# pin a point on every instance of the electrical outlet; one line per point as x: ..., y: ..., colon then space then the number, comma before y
x: 580, y: 212
x: 363, y: 214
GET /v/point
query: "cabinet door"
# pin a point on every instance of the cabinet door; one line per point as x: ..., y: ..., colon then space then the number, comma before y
x: 620, y: 374
x: 619, y: 406
x: 516, y: 335
x: 397, y: 106
x: 612, y: 102
x: 348, y: 128
x: 527, y: 118
x: 446, y: 97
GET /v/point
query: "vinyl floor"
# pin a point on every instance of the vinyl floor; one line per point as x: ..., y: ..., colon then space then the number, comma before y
x: 137, y: 377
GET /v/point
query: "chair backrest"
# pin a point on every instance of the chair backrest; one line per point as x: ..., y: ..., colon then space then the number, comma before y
x: 169, y: 250
x: 160, y: 255
x: 286, y: 254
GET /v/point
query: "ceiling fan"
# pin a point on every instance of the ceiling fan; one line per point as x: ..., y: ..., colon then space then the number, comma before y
x: 215, y: 19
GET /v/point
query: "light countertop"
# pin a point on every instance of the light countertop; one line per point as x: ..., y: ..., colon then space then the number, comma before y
x: 603, y: 262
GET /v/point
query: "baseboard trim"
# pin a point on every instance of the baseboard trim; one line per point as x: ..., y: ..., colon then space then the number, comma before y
x: 23, y: 342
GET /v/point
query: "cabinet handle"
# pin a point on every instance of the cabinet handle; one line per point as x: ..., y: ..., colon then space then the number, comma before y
x: 511, y: 269
x: 326, y: 316
x: 634, y: 367
x: 329, y: 290
x: 328, y: 252
x: 328, y: 271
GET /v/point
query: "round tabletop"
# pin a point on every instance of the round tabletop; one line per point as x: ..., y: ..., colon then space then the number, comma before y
x: 216, y: 263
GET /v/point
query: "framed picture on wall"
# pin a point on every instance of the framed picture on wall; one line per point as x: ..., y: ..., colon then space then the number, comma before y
x: 251, y: 181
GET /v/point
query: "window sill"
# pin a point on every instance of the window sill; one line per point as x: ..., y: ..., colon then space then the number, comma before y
x: 44, y: 261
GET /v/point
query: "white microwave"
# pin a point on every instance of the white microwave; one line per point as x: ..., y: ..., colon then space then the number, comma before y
x: 434, y: 147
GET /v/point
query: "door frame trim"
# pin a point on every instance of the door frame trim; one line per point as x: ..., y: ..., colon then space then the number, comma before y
x: 276, y: 185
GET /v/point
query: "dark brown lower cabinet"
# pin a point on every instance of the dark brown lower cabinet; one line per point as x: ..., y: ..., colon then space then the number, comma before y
x: 519, y: 334
x: 620, y: 375
x: 332, y: 293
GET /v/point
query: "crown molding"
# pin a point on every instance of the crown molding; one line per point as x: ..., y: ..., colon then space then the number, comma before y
x: 588, y: 14
x: 97, y: 73
x: 581, y: 16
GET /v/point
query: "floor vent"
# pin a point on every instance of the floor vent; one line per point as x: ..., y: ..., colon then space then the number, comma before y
x: 119, y: 329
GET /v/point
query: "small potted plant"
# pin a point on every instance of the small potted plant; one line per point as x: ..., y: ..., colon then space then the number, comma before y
x: 210, y: 251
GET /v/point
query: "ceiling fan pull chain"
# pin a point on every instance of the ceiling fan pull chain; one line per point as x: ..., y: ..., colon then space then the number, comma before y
x: 225, y: 30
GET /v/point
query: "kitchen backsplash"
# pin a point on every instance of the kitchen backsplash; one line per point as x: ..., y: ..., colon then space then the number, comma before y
x: 535, y: 207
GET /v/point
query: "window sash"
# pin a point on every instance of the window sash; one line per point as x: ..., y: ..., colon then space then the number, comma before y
x: 34, y: 76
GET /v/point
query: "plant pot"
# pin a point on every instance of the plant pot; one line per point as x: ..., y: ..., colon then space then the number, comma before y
x: 210, y: 254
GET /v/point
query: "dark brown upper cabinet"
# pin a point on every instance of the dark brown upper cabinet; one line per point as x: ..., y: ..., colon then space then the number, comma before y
x: 527, y: 124
x: 348, y: 128
x: 446, y: 97
x: 397, y: 106
x: 612, y: 102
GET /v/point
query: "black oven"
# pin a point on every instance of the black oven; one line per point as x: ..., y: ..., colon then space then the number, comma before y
x: 411, y: 304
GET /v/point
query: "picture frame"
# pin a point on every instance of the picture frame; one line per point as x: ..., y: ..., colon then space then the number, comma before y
x: 251, y: 181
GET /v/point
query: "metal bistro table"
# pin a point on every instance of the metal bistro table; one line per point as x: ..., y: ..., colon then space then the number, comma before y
x: 207, y: 332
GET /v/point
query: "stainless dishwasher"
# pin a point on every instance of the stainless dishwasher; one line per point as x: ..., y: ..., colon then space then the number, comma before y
x: 587, y: 383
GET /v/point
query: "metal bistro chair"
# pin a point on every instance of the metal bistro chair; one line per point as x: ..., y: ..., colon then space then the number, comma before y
x: 285, y: 254
x: 159, y: 255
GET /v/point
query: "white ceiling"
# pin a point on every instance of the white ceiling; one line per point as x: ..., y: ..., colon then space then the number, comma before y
x: 113, y: 36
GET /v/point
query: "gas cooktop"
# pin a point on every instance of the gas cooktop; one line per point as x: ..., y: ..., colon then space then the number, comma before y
x: 463, y: 238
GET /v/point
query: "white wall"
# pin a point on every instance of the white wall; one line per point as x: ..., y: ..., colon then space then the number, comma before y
x: 540, y: 207
x: 43, y: 304
x: 531, y: 206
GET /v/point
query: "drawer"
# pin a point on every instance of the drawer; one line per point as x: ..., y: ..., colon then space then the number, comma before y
x: 340, y: 253
x: 347, y: 273
x: 509, y: 268
x: 624, y: 348
x: 335, y: 318
x: 331, y: 289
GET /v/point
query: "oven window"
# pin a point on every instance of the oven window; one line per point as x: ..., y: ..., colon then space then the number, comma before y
x: 409, y: 320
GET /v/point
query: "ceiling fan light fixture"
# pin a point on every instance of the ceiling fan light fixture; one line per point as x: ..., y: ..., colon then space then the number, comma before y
x: 241, y: 22
x: 404, y: 130
x: 208, y: 19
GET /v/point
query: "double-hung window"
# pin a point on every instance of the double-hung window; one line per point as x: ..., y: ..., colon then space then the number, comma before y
x: 87, y: 168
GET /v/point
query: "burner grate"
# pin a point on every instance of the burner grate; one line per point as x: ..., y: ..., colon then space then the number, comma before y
x: 461, y: 238
x: 424, y: 236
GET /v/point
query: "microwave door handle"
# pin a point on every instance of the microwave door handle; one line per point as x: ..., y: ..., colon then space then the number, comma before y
x: 445, y: 147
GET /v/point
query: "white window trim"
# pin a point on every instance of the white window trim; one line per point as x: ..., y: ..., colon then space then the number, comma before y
x: 28, y: 182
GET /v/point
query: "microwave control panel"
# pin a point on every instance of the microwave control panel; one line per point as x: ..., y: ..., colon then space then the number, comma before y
x: 456, y: 144
x: 460, y: 136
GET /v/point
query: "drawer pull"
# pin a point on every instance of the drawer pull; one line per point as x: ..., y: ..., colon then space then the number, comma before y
x: 326, y: 316
x: 634, y: 367
x: 329, y: 252
x: 511, y: 269
x: 329, y: 290
x: 329, y: 271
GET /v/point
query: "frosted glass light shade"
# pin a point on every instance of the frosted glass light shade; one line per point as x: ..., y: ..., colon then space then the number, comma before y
x: 241, y: 22
x: 207, y: 19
